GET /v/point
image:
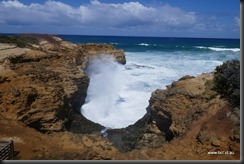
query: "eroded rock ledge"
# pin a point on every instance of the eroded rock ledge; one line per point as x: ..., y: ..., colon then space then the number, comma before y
x: 42, y: 79
x: 43, y: 84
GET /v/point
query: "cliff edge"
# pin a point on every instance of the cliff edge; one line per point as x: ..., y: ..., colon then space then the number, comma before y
x: 43, y: 84
x: 43, y: 79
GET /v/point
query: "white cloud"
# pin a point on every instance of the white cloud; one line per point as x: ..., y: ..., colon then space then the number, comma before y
x: 95, y: 2
x: 174, y: 16
x: 116, y: 15
x: 119, y: 15
x: 50, y: 13
x: 13, y: 3
x: 237, y: 20
x: 200, y: 27
x: 97, y: 17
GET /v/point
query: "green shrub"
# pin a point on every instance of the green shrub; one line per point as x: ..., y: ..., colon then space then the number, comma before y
x: 227, y: 81
x: 20, y: 40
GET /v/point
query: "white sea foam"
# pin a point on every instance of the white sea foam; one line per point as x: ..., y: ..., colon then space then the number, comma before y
x: 225, y: 49
x: 109, y: 101
x: 119, y: 94
x: 143, y: 44
x: 114, y: 43
x: 219, y: 48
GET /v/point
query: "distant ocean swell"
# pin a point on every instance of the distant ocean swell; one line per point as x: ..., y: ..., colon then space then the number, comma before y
x: 176, y: 47
x: 220, y: 48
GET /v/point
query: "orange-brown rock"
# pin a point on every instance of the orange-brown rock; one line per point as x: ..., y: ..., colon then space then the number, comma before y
x: 195, y: 120
x: 175, y: 108
x: 42, y: 84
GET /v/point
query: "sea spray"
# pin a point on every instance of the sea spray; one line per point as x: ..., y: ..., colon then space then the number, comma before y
x: 103, y: 95
x: 104, y: 133
x: 153, y: 65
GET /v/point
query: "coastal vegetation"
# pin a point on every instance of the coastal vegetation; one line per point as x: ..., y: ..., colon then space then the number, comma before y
x: 227, y: 81
x: 20, y: 40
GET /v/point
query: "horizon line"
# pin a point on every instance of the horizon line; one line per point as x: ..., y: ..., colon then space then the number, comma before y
x: 104, y: 35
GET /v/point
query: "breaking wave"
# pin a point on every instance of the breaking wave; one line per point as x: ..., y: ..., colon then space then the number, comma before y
x: 219, y: 49
x: 107, y: 99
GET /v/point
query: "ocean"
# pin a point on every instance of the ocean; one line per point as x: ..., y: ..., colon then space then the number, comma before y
x: 119, y: 94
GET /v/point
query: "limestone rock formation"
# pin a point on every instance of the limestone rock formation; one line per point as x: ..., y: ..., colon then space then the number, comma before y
x: 43, y: 82
x: 175, y: 108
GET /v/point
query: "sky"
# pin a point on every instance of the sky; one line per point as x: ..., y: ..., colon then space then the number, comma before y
x: 160, y: 18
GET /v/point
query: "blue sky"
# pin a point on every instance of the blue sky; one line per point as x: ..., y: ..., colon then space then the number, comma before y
x: 166, y: 18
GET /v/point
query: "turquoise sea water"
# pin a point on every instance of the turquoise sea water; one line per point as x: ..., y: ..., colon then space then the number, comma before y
x: 152, y: 62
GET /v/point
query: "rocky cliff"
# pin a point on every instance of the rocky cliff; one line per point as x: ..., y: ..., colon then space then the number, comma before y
x: 187, y: 120
x: 43, y: 84
x: 42, y: 80
x: 195, y: 120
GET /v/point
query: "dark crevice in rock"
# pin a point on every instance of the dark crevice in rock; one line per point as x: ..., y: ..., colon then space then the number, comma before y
x: 127, y: 139
x: 37, y: 125
x: 79, y: 97
x: 31, y: 98
x: 163, y: 123
x: 79, y: 124
x: 21, y: 59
